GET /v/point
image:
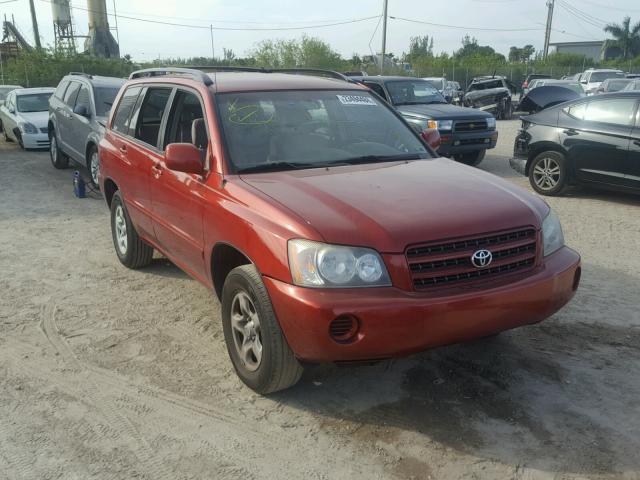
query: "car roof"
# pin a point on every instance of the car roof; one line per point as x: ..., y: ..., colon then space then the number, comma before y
x: 12, y: 87
x: 97, y: 80
x: 603, y: 70
x: 29, y: 91
x: 385, y: 78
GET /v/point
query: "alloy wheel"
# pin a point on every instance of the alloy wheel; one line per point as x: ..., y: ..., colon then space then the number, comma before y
x: 53, y: 149
x: 94, y: 163
x: 120, y: 225
x: 247, y: 337
x: 546, y: 173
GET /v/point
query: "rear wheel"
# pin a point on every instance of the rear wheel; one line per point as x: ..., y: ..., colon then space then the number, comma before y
x: 548, y: 173
x: 256, y: 345
x: 58, y: 158
x: 132, y: 251
x: 93, y: 165
x: 470, y: 158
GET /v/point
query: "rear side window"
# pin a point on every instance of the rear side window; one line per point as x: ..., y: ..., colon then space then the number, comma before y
x: 121, y: 117
x: 616, y: 111
x: 72, y: 93
x: 61, y: 89
x: 150, y: 116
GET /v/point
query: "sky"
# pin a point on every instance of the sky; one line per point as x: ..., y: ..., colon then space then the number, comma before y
x: 574, y: 20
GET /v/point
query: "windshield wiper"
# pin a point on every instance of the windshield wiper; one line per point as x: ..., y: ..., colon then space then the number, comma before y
x: 276, y: 166
x: 374, y: 159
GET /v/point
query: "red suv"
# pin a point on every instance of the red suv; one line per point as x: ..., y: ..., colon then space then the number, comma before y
x: 327, y: 227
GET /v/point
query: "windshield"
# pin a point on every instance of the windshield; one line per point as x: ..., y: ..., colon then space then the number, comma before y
x: 617, y: 85
x: 287, y: 130
x: 438, y: 83
x: 104, y: 99
x: 36, y: 102
x: 413, y: 92
x: 486, y: 85
x: 576, y: 87
x: 602, y: 76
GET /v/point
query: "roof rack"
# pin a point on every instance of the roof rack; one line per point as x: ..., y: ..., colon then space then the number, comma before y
x: 82, y: 74
x: 156, y: 72
x: 198, y: 72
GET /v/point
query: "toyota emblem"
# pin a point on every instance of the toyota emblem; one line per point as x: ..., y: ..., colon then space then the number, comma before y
x: 481, y: 258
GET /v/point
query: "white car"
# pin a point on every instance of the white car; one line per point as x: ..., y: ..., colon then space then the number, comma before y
x: 4, y: 91
x: 24, y: 117
x: 592, y: 79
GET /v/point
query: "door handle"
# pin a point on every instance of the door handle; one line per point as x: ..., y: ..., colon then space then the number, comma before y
x: 570, y: 132
x: 157, y: 171
x: 123, y: 149
x: 636, y: 142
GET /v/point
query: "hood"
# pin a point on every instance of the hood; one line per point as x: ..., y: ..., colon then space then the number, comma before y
x: 38, y: 119
x: 546, y: 96
x: 392, y: 205
x: 440, y: 111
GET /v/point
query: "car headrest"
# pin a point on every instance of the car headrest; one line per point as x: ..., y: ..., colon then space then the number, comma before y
x: 199, y: 133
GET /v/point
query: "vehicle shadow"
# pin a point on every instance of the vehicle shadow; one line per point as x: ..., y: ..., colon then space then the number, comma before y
x: 559, y: 396
x: 163, y: 267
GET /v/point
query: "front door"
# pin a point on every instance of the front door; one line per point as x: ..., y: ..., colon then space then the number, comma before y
x: 80, y: 126
x: 177, y: 197
x: 596, y: 135
x: 633, y: 162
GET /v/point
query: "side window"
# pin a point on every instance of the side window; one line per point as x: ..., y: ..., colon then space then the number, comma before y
x: 148, y: 127
x: 121, y: 117
x: 186, y: 122
x: 71, y: 93
x: 616, y: 111
x: 577, y: 111
x: 133, y: 119
x: 84, y: 97
x: 376, y: 88
x: 61, y: 89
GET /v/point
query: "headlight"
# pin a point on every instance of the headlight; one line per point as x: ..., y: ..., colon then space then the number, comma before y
x: 552, y: 233
x: 315, y: 264
x: 491, y: 123
x: 440, y: 124
x: 26, y: 127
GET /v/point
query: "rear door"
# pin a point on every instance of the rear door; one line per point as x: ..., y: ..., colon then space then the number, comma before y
x: 177, y: 197
x: 596, y: 134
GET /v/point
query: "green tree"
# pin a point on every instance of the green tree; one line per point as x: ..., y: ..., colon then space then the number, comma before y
x: 419, y: 47
x: 627, y: 38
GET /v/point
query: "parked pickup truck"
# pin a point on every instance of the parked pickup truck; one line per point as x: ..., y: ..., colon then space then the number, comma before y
x: 465, y: 134
x: 327, y: 227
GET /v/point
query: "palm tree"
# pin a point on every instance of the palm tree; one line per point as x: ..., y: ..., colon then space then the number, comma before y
x: 626, y: 37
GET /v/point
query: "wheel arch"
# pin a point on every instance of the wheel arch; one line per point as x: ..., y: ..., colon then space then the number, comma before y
x: 224, y: 258
x: 110, y: 188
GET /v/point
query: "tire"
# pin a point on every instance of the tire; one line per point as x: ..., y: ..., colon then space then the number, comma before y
x: 470, y: 158
x: 131, y: 250
x: 58, y: 159
x: 93, y: 165
x: 548, y: 173
x: 507, y: 111
x: 6, y: 137
x: 20, y: 142
x: 1, y: 127
x: 268, y: 364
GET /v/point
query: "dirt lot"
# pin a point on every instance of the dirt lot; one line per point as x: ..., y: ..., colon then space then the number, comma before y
x: 109, y: 373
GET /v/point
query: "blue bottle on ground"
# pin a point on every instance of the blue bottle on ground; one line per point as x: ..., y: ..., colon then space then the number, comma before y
x: 78, y: 185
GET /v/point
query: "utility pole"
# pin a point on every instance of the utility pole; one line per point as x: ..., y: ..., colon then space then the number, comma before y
x: 547, y: 33
x: 384, y: 37
x: 213, y: 52
x: 115, y: 16
x: 34, y: 21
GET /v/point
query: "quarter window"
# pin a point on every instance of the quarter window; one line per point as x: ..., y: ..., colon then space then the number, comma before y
x: 617, y: 111
x: 121, y: 117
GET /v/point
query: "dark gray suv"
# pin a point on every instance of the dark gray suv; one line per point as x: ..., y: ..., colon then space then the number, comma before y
x: 78, y: 112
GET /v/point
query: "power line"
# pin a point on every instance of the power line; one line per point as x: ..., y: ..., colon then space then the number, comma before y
x: 608, y: 7
x: 460, y: 27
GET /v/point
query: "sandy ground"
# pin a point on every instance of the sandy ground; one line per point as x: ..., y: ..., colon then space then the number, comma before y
x: 109, y: 373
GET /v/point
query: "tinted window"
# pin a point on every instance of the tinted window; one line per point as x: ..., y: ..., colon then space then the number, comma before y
x: 125, y: 107
x: 104, y: 98
x: 413, y: 92
x: 71, y: 94
x: 185, y: 123
x: 37, y: 102
x: 577, y: 111
x: 617, y: 111
x: 61, y: 89
x: 602, y: 76
x: 84, y: 97
x: 311, y: 128
x: 376, y: 88
x: 150, y: 116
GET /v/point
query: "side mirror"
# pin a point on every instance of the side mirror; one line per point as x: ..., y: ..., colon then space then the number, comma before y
x: 583, y: 81
x: 81, y: 110
x: 184, y: 157
x: 432, y: 137
x: 12, y: 110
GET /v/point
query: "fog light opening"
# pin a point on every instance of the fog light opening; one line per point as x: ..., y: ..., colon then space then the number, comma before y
x: 576, y: 278
x: 344, y: 329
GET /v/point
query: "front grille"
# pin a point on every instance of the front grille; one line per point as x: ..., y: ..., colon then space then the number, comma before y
x: 44, y: 130
x: 449, y: 263
x: 470, y: 125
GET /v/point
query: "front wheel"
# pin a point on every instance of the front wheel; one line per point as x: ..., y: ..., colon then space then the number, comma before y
x: 256, y: 345
x: 132, y: 251
x: 548, y: 173
x: 470, y: 158
x: 58, y: 159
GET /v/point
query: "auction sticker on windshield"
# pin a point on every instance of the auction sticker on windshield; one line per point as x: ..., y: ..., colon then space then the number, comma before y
x: 356, y: 100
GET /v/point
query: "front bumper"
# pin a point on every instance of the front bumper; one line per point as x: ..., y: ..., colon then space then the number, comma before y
x: 452, y: 143
x: 35, y: 140
x: 395, y: 322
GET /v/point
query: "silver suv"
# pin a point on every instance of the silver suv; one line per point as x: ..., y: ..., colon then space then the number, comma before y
x: 78, y: 112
